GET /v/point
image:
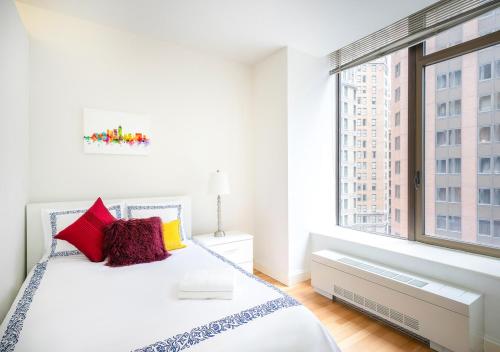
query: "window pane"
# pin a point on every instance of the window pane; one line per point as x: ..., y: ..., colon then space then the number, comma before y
x: 377, y: 148
x: 477, y: 27
x: 441, y: 194
x: 462, y: 148
x: 484, y: 227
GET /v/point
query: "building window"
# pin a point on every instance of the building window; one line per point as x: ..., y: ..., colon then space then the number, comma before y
x: 397, y: 167
x: 397, y: 191
x: 454, y: 223
x: 484, y: 196
x: 441, y: 110
x: 496, y: 196
x: 455, y: 107
x: 454, y: 194
x: 454, y: 165
x: 455, y: 137
x: 485, y: 71
x: 484, y: 134
x: 484, y: 165
x: 441, y: 139
x: 441, y: 81
x: 397, y: 119
x: 441, y: 194
x: 496, y: 228
x: 455, y: 79
x: 496, y: 165
x: 483, y: 227
x: 485, y: 103
x: 397, y: 70
x: 497, y: 101
x: 441, y: 222
x: 397, y: 94
x: 441, y: 166
x: 397, y: 215
x: 397, y: 143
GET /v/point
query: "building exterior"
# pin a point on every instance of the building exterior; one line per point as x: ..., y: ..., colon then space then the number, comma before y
x: 462, y: 141
x: 365, y: 153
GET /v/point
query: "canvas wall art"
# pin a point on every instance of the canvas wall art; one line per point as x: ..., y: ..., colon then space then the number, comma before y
x: 109, y: 132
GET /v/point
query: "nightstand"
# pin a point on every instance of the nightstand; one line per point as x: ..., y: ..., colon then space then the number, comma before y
x: 236, y: 246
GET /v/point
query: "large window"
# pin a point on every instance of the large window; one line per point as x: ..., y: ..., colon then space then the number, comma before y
x: 436, y: 126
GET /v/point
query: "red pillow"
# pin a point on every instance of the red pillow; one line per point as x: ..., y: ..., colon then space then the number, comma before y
x: 134, y: 241
x: 87, y: 232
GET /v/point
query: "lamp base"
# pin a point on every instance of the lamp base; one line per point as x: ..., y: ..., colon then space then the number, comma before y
x: 219, y: 233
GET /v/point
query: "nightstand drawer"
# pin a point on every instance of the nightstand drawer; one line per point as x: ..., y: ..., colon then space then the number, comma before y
x: 237, y: 252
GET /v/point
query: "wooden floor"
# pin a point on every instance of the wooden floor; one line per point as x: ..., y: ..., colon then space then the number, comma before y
x: 352, y: 330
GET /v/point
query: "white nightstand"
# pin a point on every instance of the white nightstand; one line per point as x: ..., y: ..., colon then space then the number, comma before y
x: 236, y: 246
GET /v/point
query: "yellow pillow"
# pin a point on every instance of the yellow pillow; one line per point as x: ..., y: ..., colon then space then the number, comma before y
x: 172, y: 235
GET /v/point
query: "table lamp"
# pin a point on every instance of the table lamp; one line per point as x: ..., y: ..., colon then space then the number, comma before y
x: 218, y: 185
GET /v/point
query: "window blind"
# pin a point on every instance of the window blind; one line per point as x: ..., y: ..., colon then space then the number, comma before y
x: 409, y: 31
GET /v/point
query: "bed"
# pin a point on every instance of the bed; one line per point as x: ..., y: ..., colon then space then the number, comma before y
x: 69, y: 303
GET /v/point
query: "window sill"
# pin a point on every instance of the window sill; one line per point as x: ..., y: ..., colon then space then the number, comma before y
x: 479, y: 264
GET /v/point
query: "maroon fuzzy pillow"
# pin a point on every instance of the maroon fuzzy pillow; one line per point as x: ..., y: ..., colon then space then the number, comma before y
x: 134, y: 241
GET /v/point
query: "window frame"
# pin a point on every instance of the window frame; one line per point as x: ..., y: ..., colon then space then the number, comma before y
x: 416, y: 157
x: 417, y: 62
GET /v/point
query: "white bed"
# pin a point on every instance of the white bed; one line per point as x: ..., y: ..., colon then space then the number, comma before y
x: 68, y: 303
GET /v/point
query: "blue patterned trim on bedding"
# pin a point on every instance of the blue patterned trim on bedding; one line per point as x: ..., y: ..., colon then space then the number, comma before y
x: 204, y: 332
x: 16, y: 322
x: 53, y: 226
x: 201, y: 333
x: 155, y: 207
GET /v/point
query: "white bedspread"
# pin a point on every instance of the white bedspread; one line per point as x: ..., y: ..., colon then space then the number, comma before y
x: 70, y: 304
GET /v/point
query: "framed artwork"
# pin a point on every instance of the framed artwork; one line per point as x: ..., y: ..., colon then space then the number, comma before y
x: 110, y: 132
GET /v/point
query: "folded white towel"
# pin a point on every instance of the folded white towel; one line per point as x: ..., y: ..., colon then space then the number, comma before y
x: 207, y: 284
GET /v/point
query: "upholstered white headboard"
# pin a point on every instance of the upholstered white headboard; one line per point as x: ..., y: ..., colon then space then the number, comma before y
x: 36, y: 241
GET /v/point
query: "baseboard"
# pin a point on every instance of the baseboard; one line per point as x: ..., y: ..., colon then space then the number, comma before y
x: 277, y: 276
x: 288, y: 280
x: 298, y: 276
x: 491, y: 344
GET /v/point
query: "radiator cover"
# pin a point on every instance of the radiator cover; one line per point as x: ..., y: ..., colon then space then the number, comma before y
x: 451, y: 318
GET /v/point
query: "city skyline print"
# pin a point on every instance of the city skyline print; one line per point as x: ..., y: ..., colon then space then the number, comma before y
x: 109, y: 132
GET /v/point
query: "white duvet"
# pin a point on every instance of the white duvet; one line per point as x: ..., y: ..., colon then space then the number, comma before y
x: 70, y: 304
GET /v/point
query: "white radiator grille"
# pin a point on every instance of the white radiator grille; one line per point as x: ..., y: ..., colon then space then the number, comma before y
x: 383, y: 272
x: 377, y: 308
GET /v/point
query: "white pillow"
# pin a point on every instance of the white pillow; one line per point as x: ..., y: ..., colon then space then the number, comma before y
x: 167, y: 211
x: 56, y: 220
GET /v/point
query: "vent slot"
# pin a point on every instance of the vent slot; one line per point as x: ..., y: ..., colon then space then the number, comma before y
x: 348, y: 294
x: 359, y: 299
x: 395, y: 315
x: 383, y: 272
x: 383, y: 309
x: 411, y: 322
x: 370, y: 304
x: 374, y: 306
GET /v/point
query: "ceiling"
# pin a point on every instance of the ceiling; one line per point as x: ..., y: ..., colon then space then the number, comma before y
x: 243, y: 30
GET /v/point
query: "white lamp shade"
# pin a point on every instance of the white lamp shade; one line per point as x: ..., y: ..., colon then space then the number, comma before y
x: 218, y: 183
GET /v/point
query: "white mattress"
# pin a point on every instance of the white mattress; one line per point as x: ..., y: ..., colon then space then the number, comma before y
x: 68, y: 303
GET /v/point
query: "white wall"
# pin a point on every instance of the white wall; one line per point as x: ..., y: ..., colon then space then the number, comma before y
x: 14, y: 51
x: 199, y: 107
x: 294, y: 167
x: 271, y: 184
x: 311, y: 187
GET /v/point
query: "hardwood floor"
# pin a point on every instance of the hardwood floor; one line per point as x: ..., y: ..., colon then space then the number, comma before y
x: 352, y: 330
